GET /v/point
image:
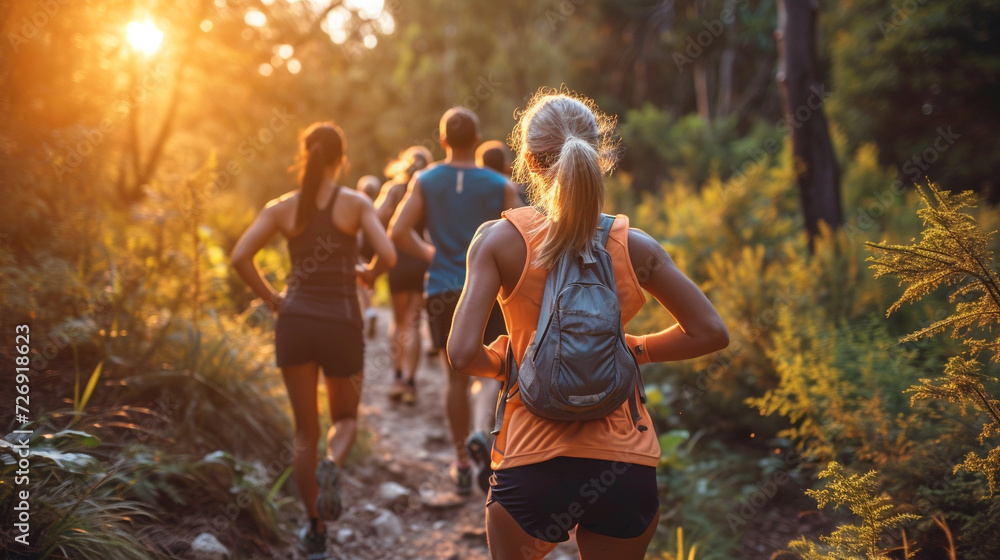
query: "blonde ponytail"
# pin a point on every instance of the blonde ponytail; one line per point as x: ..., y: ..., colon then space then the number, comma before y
x: 564, y: 145
x: 577, y: 200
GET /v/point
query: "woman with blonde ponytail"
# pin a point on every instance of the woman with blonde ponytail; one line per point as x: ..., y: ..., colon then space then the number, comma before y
x: 406, y: 279
x: 319, y: 320
x: 597, y: 476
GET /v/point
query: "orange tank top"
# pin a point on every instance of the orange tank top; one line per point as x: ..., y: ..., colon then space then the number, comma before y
x: 526, y: 439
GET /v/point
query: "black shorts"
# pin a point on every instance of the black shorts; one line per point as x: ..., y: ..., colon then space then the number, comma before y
x: 441, y: 312
x: 408, y: 274
x: 365, y: 249
x: 548, y: 499
x: 337, y: 346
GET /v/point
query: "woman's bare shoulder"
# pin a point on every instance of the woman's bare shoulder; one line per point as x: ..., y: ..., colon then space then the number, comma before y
x: 498, y: 233
x: 356, y: 199
x: 285, y: 200
x: 646, y: 255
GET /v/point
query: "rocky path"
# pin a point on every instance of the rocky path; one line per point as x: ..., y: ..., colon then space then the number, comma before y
x: 399, y: 498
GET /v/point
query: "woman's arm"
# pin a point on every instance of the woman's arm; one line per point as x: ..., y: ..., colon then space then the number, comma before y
x: 385, y: 252
x: 466, y: 352
x: 253, y: 240
x: 388, y: 201
x: 403, y: 228
x: 699, y: 329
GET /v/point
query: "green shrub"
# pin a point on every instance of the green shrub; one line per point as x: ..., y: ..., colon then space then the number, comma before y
x: 863, y: 541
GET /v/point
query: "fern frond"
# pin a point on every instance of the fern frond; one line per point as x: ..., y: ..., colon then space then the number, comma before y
x: 958, y: 321
x: 988, y: 466
x: 963, y: 384
x: 953, y: 249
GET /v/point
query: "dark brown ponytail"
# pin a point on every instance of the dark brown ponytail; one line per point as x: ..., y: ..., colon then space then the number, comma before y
x: 323, y: 145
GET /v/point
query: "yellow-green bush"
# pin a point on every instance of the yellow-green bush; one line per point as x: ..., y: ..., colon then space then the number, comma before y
x: 813, y: 363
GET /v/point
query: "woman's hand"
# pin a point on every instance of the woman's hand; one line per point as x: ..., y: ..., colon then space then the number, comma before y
x: 366, y: 276
x: 499, y: 347
x: 275, y: 302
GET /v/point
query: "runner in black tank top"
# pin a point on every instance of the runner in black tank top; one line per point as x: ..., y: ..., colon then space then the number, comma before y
x: 319, y: 320
x: 323, y: 283
x: 406, y: 279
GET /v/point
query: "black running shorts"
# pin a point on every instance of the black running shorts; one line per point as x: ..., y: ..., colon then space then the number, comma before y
x: 548, y: 499
x: 408, y: 274
x: 338, y: 347
x: 441, y: 312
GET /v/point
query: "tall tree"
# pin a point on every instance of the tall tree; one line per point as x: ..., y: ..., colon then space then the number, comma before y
x: 802, y: 93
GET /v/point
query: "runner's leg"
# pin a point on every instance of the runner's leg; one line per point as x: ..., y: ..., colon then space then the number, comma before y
x: 484, y: 402
x: 457, y: 406
x: 508, y: 541
x: 400, y: 321
x: 411, y: 344
x: 598, y: 547
x: 300, y: 382
x: 344, y: 394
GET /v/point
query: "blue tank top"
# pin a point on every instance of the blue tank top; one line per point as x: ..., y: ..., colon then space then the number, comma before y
x: 323, y: 281
x: 457, y: 201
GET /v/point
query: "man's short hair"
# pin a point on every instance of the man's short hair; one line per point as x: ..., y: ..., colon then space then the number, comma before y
x: 493, y: 154
x: 459, y: 127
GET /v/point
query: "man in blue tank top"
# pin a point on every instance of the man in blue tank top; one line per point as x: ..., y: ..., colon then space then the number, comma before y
x: 455, y: 197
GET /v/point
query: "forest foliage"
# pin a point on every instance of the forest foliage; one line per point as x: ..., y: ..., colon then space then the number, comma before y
x: 126, y: 179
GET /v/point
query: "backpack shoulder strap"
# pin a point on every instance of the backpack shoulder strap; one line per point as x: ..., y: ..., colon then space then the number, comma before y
x: 604, y: 228
x: 508, y: 385
x: 559, y: 271
x: 603, y: 233
x: 606, y: 223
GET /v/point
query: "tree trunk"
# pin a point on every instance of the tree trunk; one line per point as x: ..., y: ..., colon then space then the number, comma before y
x: 701, y: 89
x: 802, y: 93
x: 724, y: 105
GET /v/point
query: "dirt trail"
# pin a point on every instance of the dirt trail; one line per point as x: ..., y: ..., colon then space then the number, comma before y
x: 409, y: 446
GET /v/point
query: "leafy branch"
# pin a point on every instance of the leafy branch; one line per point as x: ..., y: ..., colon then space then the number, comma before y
x: 850, y: 541
x: 954, y: 252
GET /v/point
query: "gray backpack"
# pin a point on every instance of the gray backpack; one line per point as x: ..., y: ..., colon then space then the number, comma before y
x: 578, y: 367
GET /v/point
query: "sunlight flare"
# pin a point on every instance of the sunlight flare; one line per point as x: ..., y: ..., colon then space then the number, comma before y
x: 366, y: 9
x: 255, y: 18
x: 144, y: 36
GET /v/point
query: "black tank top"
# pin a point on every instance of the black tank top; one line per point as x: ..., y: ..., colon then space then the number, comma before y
x: 323, y: 282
